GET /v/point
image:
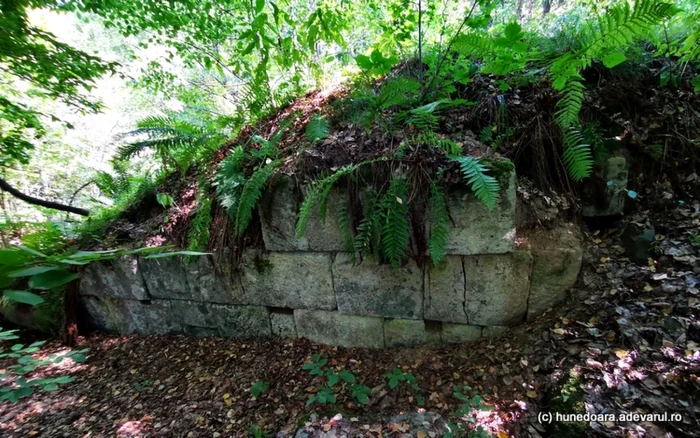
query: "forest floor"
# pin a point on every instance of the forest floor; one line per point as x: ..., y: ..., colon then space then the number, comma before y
x: 626, y: 342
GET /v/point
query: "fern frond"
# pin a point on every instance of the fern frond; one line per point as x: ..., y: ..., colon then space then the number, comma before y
x: 395, y: 230
x: 475, y: 46
x: 400, y: 91
x: 345, y: 227
x: 569, y: 106
x: 484, y: 186
x: 229, y: 180
x: 369, y: 226
x: 439, y: 224
x: 578, y: 157
x: 251, y: 195
x: 317, y: 128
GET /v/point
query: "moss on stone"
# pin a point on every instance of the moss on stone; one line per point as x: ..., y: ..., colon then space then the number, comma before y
x: 501, y: 169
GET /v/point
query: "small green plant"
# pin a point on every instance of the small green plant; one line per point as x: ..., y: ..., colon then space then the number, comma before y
x: 361, y: 393
x: 396, y: 376
x: 143, y: 384
x: 259, y: 388
x: 14, y: 383
x: 324, y: 395
x: 315, y: 366
x: 466, y: 411
x: 317, y: 129
x: 256, y: 431
x: 164, y: 200
x: 694, y: 240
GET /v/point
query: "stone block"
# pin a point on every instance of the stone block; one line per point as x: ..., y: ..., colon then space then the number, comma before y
x: 445, y: 291
x: 283, y: 325
x: 165, y: 278
x: 480, y: 231
x: 279, y: 212
x: 370, y: 289
x: 131, y: 316
x: 494, y: 331
x: 228, y: 320
x: 207, y: 285
x: 118, y: 278
x: 334, y: 328
x: 605, y: 194
x: 497, y: 288
x: 285, y: 279
x: 407, y: 333
x: 459, y: 333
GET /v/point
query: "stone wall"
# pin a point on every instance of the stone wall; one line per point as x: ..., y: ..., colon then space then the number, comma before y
x: 312, y: 288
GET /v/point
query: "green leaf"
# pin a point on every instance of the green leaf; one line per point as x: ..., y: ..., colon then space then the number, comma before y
x: 347, y: 376
x: 31, y: 251
x: 78, y: 357
x: 259, y: 5
x: 317, y: 128
x: 393, y: 382
x: 614, y: 59
x: 176, y: 253
x: 696, y: 83
x: 50, y: 387
x: 23, y: 296
x: 559, y: 83
x: 52, y: 279
x: 513, y: 31
x: 34, y: 270
x: 13, y: 257
x: 333, y: 379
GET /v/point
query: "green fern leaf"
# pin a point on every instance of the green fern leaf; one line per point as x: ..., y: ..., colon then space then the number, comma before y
x: 485, y: 187
x: 345, y: 227
x: 395, y: 230
x: 439, y: 224
x: 578, y: 157
x: 317, y: 128
x: 251, y: 195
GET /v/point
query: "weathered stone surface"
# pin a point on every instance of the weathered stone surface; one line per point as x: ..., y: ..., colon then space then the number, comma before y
x: 283, y: 325
x: 165, y: 278
x: 458, y: 333
x: 284, y: 279
x: 445, y: 291
x: 130, y: 316
x: 638, y: 242
x: 557, y: 255
x: 494, y: 331
x: 279, y: 210
x: 119, y: 278
x: 408, y: 332
x: 228, y: 320
x: 608, y: 190
x: 377, y: 290
x: 478, y: 230
x: 334, y: 328
x: 497, y: 288
x: 207, y: 285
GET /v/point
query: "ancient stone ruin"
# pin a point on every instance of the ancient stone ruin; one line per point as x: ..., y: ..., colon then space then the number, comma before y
x: 494, y: 276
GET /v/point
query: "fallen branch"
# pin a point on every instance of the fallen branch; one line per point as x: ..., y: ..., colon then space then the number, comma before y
x: 36, y: 201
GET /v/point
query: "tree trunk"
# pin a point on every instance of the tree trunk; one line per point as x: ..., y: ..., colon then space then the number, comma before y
x: 36, y: 201
x: 71, y: 304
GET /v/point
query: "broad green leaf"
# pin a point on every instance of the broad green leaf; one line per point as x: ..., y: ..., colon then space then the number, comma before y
x: 614, y: 59
x: 176, y: 253
x: 34, y: 270
x: 31, y: 251
x: 23, y: 296
x: 513, y: 31
x: 52, y: 279
x: 13, y: 257
x: 696, y: 83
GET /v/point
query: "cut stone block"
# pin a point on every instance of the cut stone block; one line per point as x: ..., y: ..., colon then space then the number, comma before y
x: 334, y: 328
x: 283, y: 325
x: 165, y: 278
x: 497, y: 288
x: 608, y: 196
x: 408, y: 332
x: 480, y: 231
x: 130, y: 316
x: 378, y: 290
x: 459, y: 333
x: 557, y: 256
x: 494, y: 331
x: 279, y: 213
x: 208, y: 285
x: 118, y: 278
x: 444, y: 291
x: 228, y: 320
x: 292, y: 280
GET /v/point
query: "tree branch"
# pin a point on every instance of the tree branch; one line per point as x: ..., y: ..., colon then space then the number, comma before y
x: 36, y: 201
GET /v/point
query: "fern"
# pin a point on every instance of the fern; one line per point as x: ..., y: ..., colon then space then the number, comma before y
x: 198, y: 235
x: 345, y: 227
x: 438, y: 225
x: 485, y: 187
x: 229, y: 180
x: 569, y: 106
x: 577, y: 158
x: 251, y: 195
x: 475, y: 45
x: 395, y: 230
x: 317, y: 128
x: 400, y: 91
x: 368, y: 230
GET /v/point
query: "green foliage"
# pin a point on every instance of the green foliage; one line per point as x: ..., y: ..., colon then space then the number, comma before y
x: 466, y: 410
x: 394, y: 222
x: 578, y: 157
x: 324, y: 395
x: 230, y: 179
x: 198, y: 235
x: 397, y: 376
x: 361, y: 393
x: 250, y: 195
x: 484, y: 186
x: 259, y: 388
x: 317, y: 128
x: 315, y: 367
x: 439, y: 224
x: 164, y: 199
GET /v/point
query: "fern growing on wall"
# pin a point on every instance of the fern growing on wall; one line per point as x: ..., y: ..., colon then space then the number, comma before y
x: 439, y: 224
x: 484, y: 186
x: 250, y: 195
x: 394, y: 223
x: 317, y: 128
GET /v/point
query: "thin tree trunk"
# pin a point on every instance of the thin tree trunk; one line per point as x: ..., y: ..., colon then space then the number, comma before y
x: 36, y: 201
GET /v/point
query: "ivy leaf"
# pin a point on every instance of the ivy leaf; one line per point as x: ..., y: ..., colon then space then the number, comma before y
x: 614, y: 59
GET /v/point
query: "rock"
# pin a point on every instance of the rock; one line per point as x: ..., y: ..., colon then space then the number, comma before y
x: 480, y: 231
x: 557, y: 256
x: 279, y: 212
x: 444, y: 291
x: 407, y: 333
x: 494, y: 331
x: 459, y: 333
x: 283, y: 324
x: 291, y: 280
x: 335, y: 328
x: 165, y: 278
x: 229, y: 320
x: 497, y: 288
x: 207, y: 285
x: 638, y: 242
x: 605, y: 194
x: 119, y: 278
x: 377, y: 290
x: 130, y: 316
